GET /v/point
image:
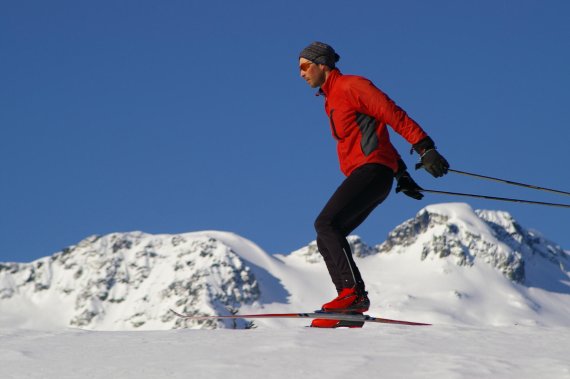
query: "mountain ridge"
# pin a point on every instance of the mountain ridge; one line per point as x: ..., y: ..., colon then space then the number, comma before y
x: 445, y: 255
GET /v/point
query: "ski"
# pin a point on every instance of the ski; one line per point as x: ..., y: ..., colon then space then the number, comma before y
x: 310, y: 315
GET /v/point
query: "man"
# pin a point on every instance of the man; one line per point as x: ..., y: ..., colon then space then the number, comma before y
x: 358, y: 113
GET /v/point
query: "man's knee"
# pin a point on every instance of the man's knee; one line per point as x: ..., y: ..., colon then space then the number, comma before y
x: 323, y: 225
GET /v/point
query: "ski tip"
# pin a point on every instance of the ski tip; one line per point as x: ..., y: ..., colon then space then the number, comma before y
x: 176, y: 313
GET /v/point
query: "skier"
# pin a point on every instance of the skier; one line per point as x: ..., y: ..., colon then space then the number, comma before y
x: 358, y: 113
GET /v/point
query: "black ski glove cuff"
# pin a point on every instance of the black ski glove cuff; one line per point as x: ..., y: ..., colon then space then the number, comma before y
x: 424, y: 145
x: 401, y: 169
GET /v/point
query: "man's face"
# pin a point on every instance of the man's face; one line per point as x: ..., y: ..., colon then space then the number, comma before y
x: 314, y: 74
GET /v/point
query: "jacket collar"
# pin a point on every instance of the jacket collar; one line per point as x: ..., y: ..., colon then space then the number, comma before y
x: 329, y: 83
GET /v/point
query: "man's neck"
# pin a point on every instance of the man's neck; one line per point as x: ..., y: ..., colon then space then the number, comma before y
x: 328, y: 77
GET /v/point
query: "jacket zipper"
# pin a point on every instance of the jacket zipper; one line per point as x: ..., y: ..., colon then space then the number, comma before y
x: 332, y: 125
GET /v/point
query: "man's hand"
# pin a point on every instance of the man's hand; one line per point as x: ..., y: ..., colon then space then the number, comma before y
x: 408, y: 186
x: 432, y: 161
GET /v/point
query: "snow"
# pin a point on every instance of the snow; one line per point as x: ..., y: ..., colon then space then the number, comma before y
x: 497, y: 294
x: 294, y: 352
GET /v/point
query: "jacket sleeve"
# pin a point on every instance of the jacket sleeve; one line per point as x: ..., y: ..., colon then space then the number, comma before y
x: 368, y: 99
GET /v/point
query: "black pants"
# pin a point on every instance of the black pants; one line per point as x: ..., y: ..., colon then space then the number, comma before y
x: 349, y: 206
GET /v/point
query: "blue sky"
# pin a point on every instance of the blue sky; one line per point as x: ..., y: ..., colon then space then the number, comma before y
x: 181, y: 116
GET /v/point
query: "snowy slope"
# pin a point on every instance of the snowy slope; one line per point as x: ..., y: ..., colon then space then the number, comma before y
x: 447, y: 265
x: 444, y: 352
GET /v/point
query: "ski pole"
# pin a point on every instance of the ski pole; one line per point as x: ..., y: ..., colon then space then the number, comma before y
x: 496, y: 198
x: 510, y: 182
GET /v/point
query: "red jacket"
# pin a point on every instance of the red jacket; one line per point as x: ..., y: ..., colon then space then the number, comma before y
x: 359, y: 113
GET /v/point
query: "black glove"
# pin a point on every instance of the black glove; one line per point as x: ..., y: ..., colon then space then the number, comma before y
x: 432, y: 161
x: 406, y: 184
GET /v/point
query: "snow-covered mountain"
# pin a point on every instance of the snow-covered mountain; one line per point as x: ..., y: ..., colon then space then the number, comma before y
x: 448, y: 264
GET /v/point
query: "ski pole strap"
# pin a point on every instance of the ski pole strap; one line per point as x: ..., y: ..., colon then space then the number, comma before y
x: 497, y: 198
x: 510, y: 182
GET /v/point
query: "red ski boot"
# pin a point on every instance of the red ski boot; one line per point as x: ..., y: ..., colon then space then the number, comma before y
x: 349, y: 300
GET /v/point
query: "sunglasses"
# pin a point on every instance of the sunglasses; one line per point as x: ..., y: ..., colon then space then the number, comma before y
x: 305, y: 65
